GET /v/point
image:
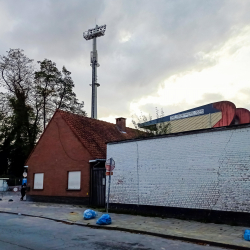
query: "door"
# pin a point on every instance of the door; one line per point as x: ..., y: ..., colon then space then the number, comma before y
x: 98, y: 186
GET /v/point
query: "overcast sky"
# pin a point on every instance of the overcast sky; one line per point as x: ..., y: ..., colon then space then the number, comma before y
x: 171, y: 54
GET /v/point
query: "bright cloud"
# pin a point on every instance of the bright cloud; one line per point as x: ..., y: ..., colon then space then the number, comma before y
x: 229, y: 75
x: 124, y: 36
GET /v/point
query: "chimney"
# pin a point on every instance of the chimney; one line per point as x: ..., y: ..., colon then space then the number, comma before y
x: 121, y: 124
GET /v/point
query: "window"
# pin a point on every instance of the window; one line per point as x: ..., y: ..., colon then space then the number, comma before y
x: 74, y: 180
x: 38, y: 181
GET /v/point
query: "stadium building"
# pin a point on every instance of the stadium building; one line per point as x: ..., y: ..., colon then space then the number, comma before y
x: 218, y: 114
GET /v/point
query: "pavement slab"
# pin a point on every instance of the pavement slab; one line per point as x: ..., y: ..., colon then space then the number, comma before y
x: 231, y: 236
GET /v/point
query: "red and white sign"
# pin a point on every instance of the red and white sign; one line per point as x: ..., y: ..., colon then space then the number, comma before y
x: 109, y: 173
x: 110, y: 164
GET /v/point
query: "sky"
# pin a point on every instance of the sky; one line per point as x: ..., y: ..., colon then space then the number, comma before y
x: 172, y: 55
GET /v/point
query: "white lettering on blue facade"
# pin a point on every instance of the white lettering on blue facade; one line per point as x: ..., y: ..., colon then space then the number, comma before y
x: 188, y: 114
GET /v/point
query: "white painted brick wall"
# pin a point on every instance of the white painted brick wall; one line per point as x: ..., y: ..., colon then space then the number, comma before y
x: 205, y: 170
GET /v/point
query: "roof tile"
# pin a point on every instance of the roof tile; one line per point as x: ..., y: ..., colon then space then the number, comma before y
x: 94, y: 134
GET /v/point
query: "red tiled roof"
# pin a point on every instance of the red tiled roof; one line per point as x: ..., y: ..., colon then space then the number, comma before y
x: 94, y: 134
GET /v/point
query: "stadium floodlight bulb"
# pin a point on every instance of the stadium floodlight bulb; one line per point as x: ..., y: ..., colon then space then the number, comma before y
x: 96, y: 32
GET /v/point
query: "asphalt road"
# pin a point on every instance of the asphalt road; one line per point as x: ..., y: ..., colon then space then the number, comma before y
x: 19, y: 232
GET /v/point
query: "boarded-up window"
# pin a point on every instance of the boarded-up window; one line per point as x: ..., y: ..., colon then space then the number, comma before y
x: 38, y: 181
x: 74, y: 180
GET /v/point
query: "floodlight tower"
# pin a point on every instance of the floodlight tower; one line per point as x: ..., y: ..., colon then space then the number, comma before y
x: 88, y: 35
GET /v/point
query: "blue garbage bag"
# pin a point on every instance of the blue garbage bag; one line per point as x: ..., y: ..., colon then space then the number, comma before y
x: 89, y: 214
x: 105, y: 219
x: 247, y: 235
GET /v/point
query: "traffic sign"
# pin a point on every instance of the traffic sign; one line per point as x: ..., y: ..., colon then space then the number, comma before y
x: 109, y: 173
x: 110, y: 164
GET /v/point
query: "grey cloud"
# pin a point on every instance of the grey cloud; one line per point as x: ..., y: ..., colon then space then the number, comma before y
x: 182, y: 106
x: 210, y: 98
x: 215, y: 97
x: 241, y: 102
x: 165, y: 37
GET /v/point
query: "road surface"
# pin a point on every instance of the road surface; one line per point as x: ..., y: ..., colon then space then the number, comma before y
x: 19, y: 232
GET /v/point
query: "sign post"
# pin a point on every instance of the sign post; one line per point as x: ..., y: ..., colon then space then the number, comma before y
x: 24, y: 180
x: 109, y: 165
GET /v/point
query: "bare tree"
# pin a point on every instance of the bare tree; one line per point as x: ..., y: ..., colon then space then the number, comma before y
x: 17, y: 73
x: 17, y: 77
x: 55, y: 90
x: 151, y: 130
x: 30, y: 100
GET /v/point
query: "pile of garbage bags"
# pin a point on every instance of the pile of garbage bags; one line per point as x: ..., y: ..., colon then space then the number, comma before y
x: 105, y: 219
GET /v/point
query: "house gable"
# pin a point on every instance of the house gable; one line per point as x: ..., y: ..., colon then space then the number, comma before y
x: 57, y: 152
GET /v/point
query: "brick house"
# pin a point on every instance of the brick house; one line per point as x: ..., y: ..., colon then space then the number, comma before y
x: 68, y: 163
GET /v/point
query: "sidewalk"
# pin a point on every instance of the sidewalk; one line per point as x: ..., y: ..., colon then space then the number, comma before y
x: 207, y: 233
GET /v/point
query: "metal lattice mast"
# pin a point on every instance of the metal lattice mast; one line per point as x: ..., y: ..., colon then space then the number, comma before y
x: 88, y: 35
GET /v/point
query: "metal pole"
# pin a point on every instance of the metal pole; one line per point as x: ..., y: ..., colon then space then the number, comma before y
x: 94, y: 80
x: 96, y: 62
x: 95, y: 108
x: 88, y: 35
x: 93, y: 91
x: 2, y: 190
x: 93, y: 101
x: 109, y: 186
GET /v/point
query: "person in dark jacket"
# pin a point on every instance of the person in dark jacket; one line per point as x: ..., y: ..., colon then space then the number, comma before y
x: 23, y: 191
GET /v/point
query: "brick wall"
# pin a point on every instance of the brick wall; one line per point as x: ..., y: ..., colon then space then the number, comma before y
x: 58, y: 152
x: 203, y: 170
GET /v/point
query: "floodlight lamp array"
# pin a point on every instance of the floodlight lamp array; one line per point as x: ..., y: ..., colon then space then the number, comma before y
x: 96, y: 32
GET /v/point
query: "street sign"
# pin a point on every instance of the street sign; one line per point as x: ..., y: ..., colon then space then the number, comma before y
x: 110, y: 164
x: 109, y: 173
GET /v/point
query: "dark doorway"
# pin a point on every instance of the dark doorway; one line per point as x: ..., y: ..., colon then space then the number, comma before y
x: 98, y: 184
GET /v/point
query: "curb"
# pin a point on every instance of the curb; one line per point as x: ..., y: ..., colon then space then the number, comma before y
x: 171, y: 237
